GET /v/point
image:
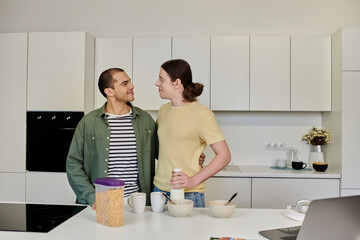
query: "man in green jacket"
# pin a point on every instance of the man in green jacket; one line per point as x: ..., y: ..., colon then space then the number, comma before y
x: 117, y: 140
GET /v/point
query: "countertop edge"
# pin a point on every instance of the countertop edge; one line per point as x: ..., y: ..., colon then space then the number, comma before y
x: 267, y: 172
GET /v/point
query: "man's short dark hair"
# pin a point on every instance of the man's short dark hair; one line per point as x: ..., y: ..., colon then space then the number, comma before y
x: 106, y: 79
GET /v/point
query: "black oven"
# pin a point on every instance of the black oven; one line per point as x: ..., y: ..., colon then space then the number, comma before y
x: 48, y: 139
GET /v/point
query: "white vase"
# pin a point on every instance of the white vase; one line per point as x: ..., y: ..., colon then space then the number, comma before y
x: 316, y: 154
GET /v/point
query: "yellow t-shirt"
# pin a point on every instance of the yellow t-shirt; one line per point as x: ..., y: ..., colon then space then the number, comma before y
x: 183, y: 134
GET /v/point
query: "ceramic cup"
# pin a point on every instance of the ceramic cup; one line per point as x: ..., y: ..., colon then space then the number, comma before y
x: 281, y: 163
x: 157, y: 202
x: 137, y: 202
x: 302, y: 206
x: 298, y: 165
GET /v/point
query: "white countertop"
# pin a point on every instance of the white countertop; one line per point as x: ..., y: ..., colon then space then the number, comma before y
x: 268, y: 172
x: 244, y: 223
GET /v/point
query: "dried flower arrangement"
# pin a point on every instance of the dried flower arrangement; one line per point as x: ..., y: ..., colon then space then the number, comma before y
x: 317, y: 136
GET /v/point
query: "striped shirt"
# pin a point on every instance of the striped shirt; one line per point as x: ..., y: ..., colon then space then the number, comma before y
x: 123, y: 162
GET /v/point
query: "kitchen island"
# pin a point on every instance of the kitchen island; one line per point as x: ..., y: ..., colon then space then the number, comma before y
x: 200, y: 224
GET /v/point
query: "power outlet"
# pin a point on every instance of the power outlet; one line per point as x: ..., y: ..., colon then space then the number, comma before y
x: 282, y: 147
x: 269, y: 146
x: 275, y: 146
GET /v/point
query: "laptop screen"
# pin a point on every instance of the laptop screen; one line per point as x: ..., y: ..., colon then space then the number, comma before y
x: 332, y: 218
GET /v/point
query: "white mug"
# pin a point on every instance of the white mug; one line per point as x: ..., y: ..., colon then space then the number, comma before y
x: 137, y: 202
x: 157, y: 202
x: 281, y: 163
x: 302, y: 206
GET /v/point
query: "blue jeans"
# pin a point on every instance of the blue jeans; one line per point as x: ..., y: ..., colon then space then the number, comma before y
x: 196, y: 197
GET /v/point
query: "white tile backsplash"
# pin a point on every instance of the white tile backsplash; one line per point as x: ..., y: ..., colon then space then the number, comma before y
x: 247, y: 132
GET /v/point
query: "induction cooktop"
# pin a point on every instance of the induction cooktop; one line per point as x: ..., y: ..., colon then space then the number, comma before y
x: 26, y: 217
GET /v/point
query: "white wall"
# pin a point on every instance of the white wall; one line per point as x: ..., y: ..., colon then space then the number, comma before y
x: 245, y: 132
x: 113, y: 18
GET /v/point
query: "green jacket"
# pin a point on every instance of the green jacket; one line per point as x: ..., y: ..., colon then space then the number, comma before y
x: 89, y: 152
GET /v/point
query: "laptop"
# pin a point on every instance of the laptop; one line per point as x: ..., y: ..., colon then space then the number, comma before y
x: 331, y: 218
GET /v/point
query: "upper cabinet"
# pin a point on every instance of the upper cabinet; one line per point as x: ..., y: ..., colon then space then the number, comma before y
x: 239, y: 73
x: 350, y: 48
x: 13, y: 66
x: 149, y: 54
x: 270, y: 73
x: 196, y: 51
x: 60, y: 71
x: 230, y: 73
x: 311, y: 73
x: 111, y: 53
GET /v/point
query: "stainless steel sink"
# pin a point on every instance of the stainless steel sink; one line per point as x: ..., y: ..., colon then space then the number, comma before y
x: 232, y: 168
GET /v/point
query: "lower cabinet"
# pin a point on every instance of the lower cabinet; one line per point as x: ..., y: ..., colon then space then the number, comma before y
x: 44, y: 187
x: 282, y: 192
x: 270, y: 192
x: 350, y: 192
x: 12, y: 187
x: 222, y: 188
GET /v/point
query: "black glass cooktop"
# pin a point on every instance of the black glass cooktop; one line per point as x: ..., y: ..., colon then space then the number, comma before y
x: 27, y: 217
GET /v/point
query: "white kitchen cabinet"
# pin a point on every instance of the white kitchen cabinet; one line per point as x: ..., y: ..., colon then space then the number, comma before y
x: 111, y: 53
x: 13, y: 70
x: 350, y: 130
x: 350, y: 192
x: 222, y: 188
x: 270, y: 73
x: 12, y: 187
x: 282, y: 192
x: 350, y: 49
x: 343, y: 120
x: 44, y: 187
x: 196, y: 51
x: 149, y: 53
x: 60, y: 71
x: 230, y: 73
x: 310, y: 73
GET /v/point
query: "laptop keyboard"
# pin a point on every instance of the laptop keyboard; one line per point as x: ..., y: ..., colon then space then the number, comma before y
x: 289, y: 238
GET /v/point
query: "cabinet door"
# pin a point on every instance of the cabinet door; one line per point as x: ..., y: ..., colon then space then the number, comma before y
x: 12, y: 187
x: 270, y: 73
x: 229, y: 73
x: 311, y: 73
x: 350, y: 48
x: 42, y: 187
x: 350, y: 130
x: 196, y: 51
x: 350, y: 192
x: 111, y: 53
x: 222, y: 188
x: 149, y: 54
x: 56, y: 71
x: 282, y: 192
x: 13, y: 65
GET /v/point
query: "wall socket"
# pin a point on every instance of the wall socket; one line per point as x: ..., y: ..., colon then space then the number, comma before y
x: 275, y: 146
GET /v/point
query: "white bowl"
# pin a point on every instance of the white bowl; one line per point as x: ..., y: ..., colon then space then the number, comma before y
x: 218, y: 208
x: 182, y: 207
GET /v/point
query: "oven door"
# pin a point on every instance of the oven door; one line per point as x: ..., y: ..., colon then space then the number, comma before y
x: 48, y: 139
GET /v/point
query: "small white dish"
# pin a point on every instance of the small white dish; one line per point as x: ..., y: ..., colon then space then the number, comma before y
x: 293, y: 214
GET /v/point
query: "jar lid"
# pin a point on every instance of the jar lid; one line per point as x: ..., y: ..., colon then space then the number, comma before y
x: 109, y: 182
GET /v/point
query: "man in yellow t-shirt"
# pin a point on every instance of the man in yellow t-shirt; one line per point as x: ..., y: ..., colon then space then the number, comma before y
x: 185, y: 127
